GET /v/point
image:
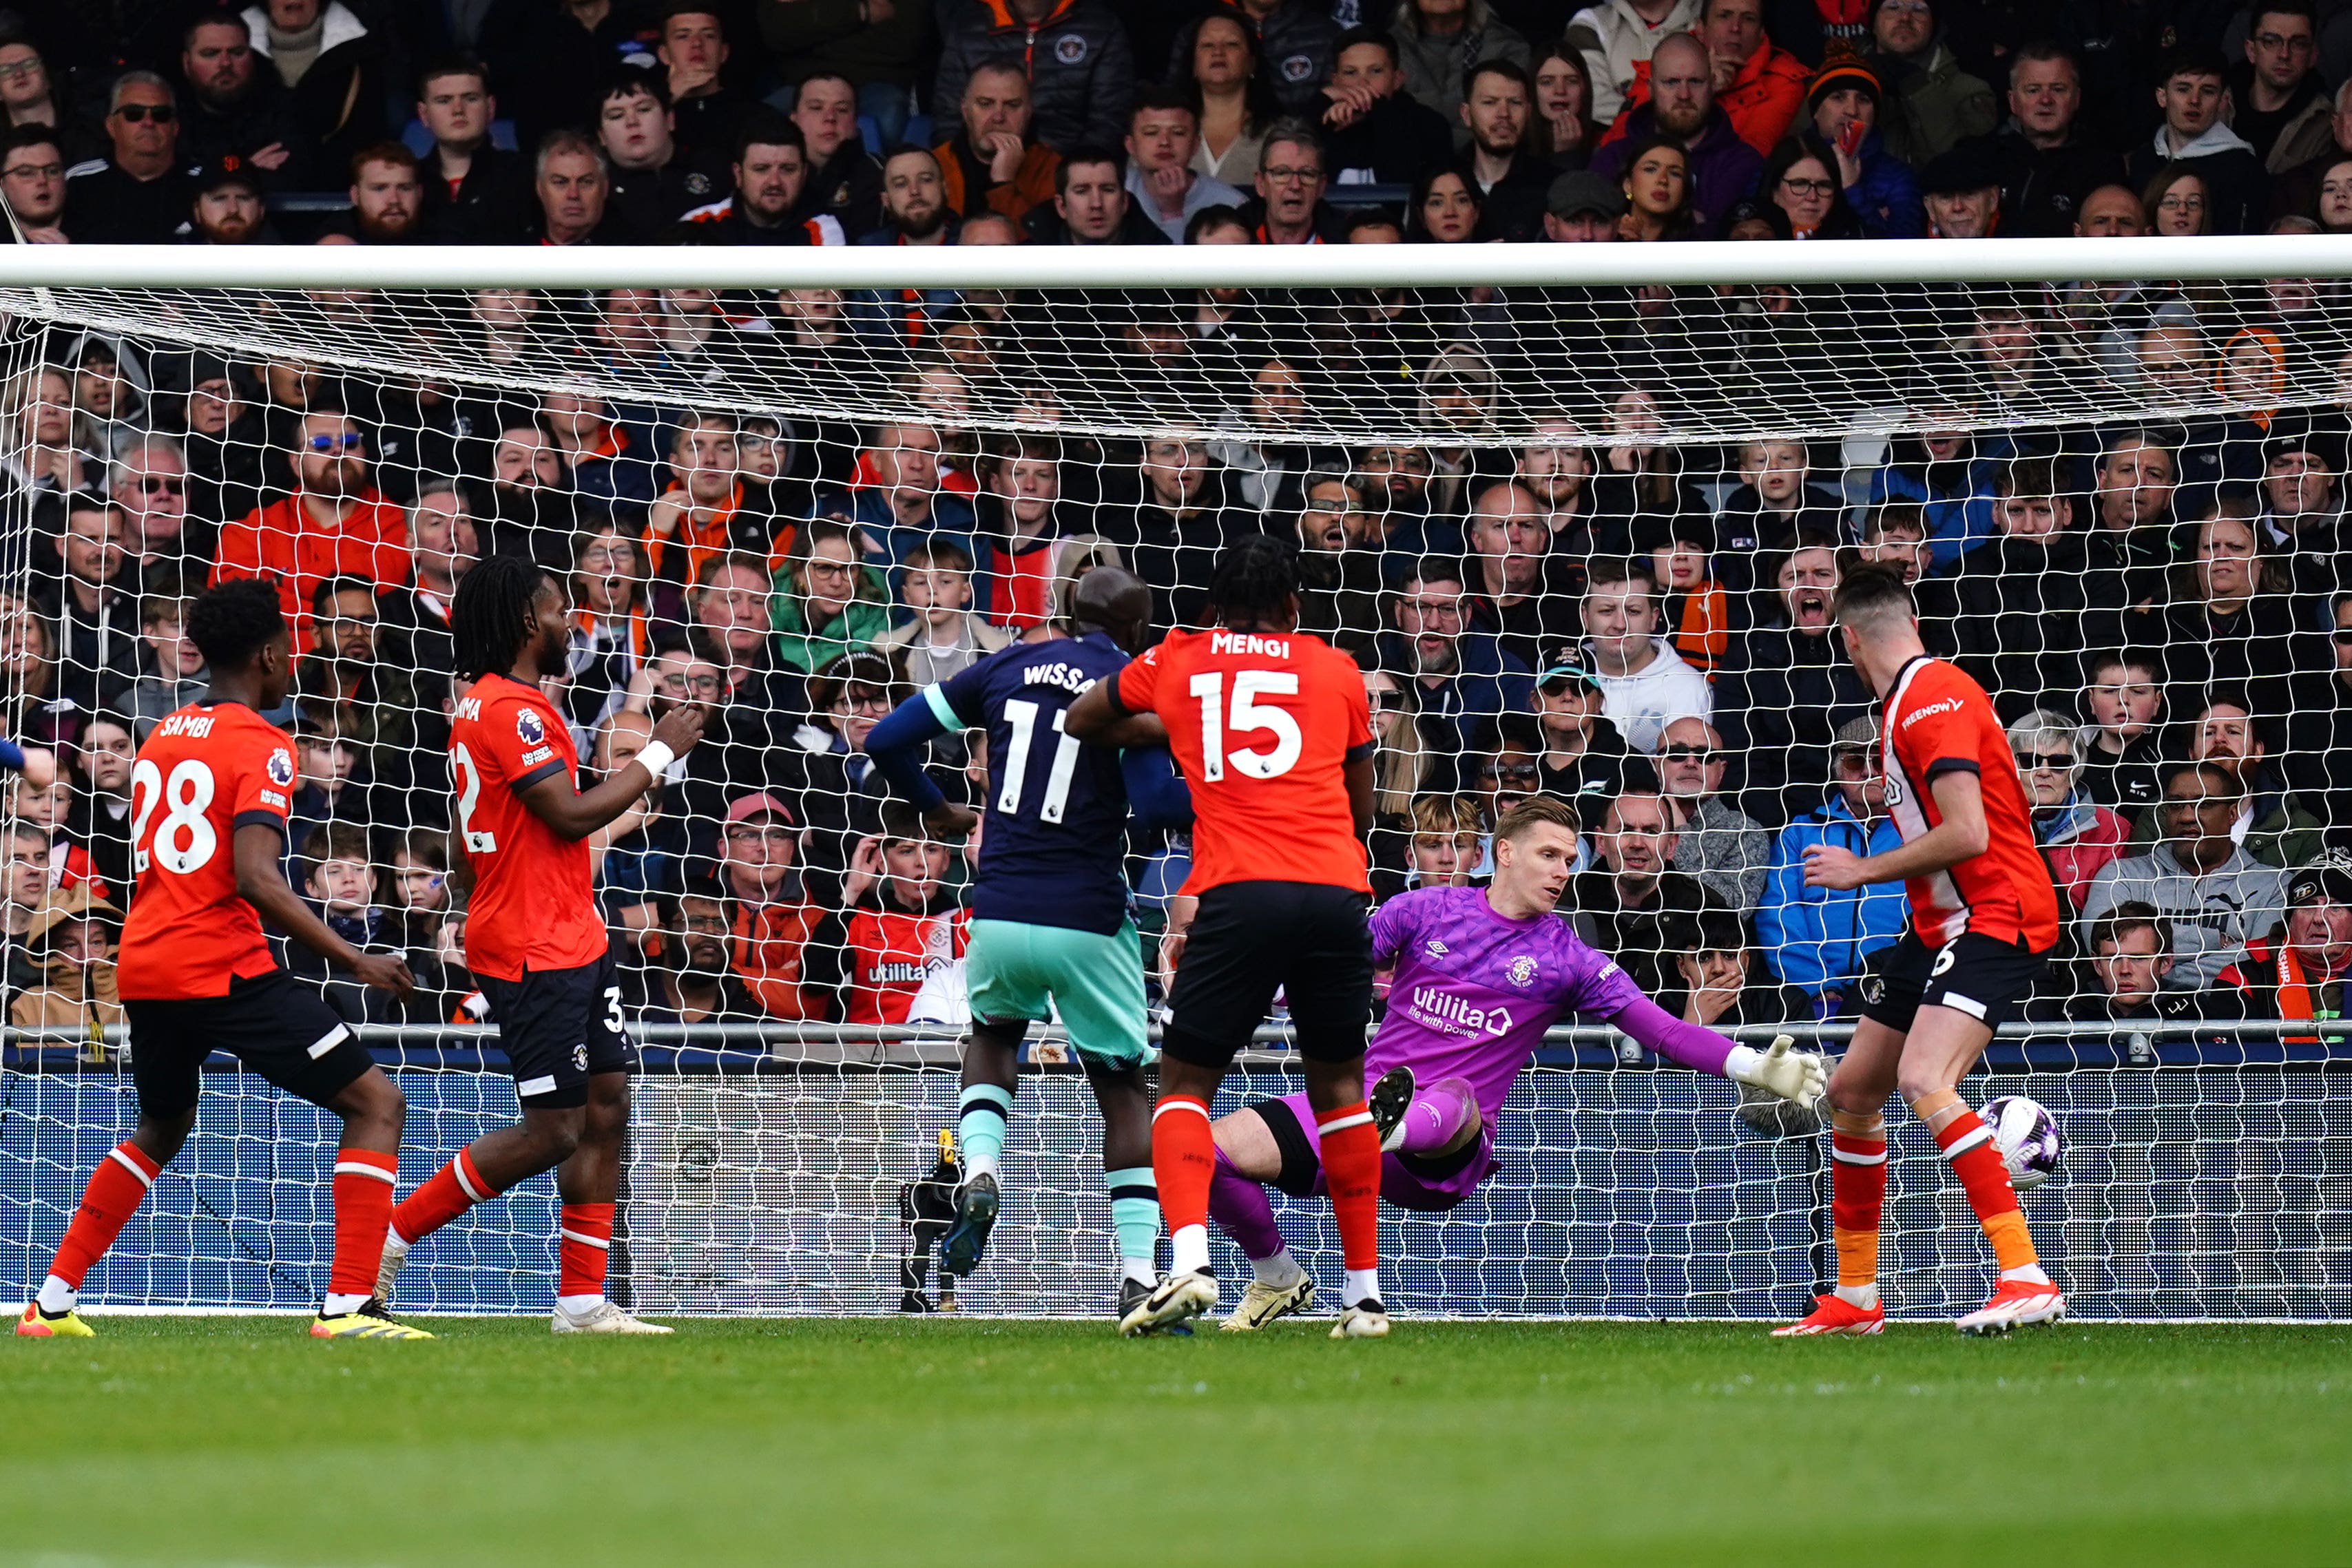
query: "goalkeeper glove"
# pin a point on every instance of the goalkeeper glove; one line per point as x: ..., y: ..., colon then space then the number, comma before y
x: 1796, y: 1076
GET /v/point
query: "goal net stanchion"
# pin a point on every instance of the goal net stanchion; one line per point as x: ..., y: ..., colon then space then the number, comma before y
x: 802, y: 484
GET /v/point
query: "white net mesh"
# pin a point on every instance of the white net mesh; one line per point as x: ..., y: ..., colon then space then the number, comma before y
x: 1581, y: 539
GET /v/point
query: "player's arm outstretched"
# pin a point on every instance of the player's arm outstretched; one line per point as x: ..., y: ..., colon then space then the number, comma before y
x: 1782, y: 1069
x: 36, y: 764
x: 573, y: 814
x: 260, y: 854
x: 1961, y: 835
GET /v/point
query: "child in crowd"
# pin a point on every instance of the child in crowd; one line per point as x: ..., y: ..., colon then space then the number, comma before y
x: 1694, y: 609
x: 2124, y: 703
x: 171, y: 669
x: 945, y: 636
x: 1447, y: 841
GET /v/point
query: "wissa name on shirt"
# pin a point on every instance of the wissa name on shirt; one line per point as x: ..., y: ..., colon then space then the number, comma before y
x: 1068, y: 677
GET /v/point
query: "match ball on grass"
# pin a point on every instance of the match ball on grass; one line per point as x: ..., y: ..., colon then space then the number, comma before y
x: 2027, y: 1138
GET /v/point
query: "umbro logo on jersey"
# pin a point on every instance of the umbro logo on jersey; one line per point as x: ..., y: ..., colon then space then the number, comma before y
x: 527, y: 726
x: 1437, y: 949
x: 280, y: 768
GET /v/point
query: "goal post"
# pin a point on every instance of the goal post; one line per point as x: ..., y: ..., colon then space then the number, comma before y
x: 1577, y: 511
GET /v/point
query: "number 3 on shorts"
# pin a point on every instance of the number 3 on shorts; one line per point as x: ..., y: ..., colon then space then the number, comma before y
x: 613, y: 1020
x: 1946, y: 957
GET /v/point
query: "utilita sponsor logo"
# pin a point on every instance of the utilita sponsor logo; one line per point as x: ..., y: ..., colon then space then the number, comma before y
x: 1445, y: 1007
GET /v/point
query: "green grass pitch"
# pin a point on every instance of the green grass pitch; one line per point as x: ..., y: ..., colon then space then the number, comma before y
x: 238, y: 1441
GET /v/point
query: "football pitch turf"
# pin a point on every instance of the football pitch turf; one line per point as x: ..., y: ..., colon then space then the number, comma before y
x: 240, y: 1441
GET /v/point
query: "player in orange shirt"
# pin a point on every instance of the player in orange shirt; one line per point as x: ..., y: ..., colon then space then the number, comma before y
x: 1983, y: 919
x: 1273, y: 733
x: 534, y: 941
x: 209, y: 793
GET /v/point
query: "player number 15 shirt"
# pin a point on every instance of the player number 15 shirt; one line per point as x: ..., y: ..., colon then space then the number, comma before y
x: 533, y: 906
x: 205, y: 771
x: 1263, y: 725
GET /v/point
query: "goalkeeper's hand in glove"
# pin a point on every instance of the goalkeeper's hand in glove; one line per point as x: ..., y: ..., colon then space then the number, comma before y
x: 1797, y: 1076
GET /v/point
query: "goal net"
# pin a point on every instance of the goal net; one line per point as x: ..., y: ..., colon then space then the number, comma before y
x: 1576, y: 512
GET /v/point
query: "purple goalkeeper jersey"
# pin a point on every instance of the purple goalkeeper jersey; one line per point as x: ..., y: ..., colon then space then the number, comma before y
x: 1472, y: 992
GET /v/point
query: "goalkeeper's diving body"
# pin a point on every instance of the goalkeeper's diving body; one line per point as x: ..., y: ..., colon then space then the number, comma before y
x: 1479, y: 975
x: 1049, y: 903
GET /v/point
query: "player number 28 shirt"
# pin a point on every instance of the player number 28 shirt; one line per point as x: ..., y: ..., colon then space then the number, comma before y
x: 205, y: 771
x: 1262, y: 725
x: 533, y: 906
x: 1938, y: 721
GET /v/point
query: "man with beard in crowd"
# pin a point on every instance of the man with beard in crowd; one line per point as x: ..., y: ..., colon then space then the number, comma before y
x: 227, y: 209
x: 387, y: 199
x: 235, y: 110
x: 694, y: 984
x: 1509, y: 175
x: 771, y: 170
x: 1723, y: 168
x: 335, y: 523
x: 915, y: 208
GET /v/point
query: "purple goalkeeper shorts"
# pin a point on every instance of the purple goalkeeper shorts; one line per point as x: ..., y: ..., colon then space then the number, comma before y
x: 1410, y: 1182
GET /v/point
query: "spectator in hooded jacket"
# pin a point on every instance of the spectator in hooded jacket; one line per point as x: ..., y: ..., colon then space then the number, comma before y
x: 1440, y: 41
x: 1933, y: 104
x: 1816, y: 939
x: 2193, y: 93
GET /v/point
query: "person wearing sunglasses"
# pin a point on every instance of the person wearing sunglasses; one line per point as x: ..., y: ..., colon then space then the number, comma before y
x: 2076, y: 834
x: 148, y: 481
x: 139, y: 193
x: 336, y: 522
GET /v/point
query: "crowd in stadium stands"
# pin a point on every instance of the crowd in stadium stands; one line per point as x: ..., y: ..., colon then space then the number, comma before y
x: 2162, y: 609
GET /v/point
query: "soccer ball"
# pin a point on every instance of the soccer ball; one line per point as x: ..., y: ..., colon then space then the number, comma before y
x: 2027, y: 1138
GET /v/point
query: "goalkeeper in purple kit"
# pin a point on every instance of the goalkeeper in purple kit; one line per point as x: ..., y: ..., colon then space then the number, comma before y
x: 1480, y: 974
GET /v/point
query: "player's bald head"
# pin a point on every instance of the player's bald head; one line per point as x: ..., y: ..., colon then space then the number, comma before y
x: 1112, y: 599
